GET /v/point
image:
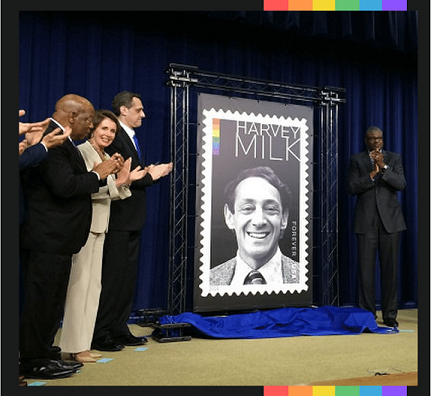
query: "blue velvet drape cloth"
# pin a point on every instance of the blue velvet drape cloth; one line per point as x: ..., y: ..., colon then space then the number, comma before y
x: 373, y: 55
x: 283, y: 322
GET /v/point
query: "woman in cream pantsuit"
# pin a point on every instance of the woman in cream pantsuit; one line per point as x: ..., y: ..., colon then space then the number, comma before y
x: 84, y: 286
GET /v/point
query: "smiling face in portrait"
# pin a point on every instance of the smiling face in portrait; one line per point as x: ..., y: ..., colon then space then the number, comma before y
x: 104, y: 134
x: 258, y: 220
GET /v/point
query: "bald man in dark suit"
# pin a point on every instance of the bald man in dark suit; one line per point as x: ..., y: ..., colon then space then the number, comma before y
x: 57, y: 226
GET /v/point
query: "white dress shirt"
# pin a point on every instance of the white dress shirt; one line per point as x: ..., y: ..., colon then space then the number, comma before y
x: 271, y: 270
x: 130, y: 132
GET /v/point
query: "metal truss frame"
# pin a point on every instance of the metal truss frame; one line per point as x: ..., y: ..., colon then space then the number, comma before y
x: 181, y: 78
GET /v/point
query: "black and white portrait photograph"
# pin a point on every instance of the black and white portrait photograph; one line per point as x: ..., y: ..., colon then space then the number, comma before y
x: 254, y: 205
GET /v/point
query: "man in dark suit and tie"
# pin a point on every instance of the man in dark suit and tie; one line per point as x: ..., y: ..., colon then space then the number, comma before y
x: 57, y: 226
x: 122, y: 243
x: 375, y: 177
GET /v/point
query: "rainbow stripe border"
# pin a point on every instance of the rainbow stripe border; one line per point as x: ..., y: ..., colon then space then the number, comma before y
x: 216, y: 136
x: 335, y: 390
x: 335, y: 5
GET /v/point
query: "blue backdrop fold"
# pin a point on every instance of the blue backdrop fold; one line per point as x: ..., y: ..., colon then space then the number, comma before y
x: 282, y: 322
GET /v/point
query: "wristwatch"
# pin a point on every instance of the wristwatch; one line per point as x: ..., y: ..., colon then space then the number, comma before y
x: 385, y: 167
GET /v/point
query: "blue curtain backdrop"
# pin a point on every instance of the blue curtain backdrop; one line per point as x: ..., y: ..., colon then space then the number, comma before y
x: 373, y: 55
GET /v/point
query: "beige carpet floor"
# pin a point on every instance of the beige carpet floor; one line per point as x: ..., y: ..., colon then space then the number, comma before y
x: 262, y: 362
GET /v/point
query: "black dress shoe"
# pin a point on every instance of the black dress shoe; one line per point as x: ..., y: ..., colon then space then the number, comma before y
x: 69, y: 364
x: 107, y: 344
x: 391, y: 323
x: 46, y: 369
x: 130, y: 340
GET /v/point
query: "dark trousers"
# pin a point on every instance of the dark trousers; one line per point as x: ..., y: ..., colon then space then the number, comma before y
x: 378, y: 243
x: 119, y: 272
x: 45, y: 280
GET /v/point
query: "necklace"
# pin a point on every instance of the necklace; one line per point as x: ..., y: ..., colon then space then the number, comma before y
x: 101, y: 153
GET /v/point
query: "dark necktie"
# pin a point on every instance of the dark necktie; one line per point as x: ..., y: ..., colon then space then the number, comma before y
x: 254, y: 278
x: 138, y: 149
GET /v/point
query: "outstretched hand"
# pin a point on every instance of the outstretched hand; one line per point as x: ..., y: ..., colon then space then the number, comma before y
x: 32, y: 127
x: 56, y: 137
x: 126, y: 176
x: 137, y: 174
x: 161, y: 170
x: 52, y: 139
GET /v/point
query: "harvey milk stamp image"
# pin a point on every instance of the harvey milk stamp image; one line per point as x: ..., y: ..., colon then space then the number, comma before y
x: 253, y: 203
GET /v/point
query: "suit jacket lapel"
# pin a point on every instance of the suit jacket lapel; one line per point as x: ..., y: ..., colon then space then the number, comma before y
x: 131, y: 146
x: 76, y: 153
x: 367, y: 161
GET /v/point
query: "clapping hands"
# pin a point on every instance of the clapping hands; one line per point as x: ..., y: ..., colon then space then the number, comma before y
x: 111, y: 166
x: 125, y: 176
x: 160, y: 170
x: 34, y: 134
